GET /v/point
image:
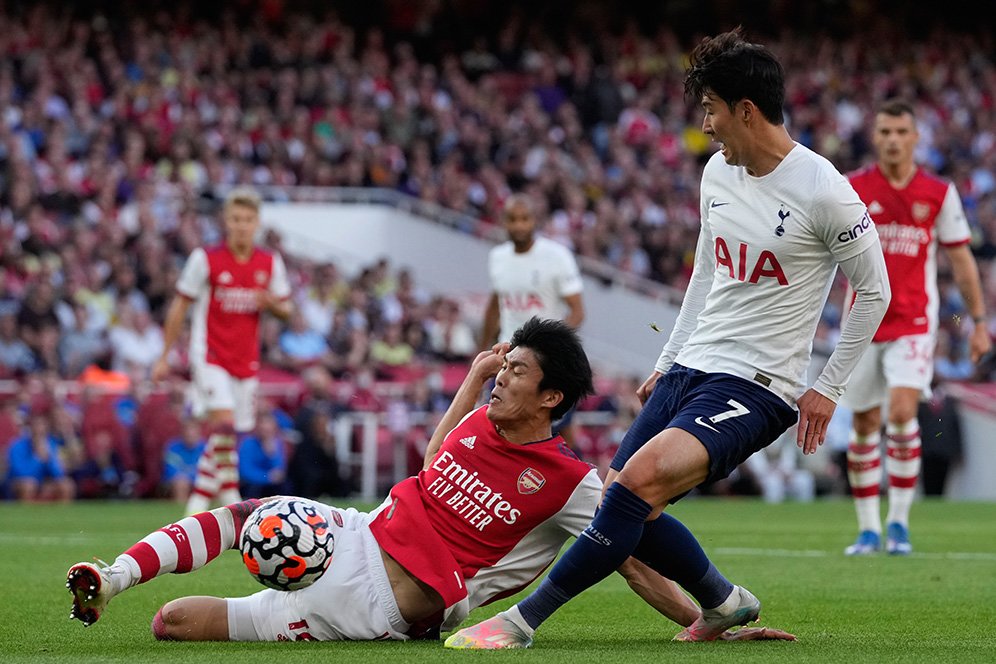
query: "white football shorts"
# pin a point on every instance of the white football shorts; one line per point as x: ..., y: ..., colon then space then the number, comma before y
x: 905, y: 362
x: 213, y: 388
x: 351, y: 601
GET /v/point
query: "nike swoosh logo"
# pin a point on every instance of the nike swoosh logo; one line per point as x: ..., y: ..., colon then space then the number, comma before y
x: 716, y: 204
x: 700, y: 422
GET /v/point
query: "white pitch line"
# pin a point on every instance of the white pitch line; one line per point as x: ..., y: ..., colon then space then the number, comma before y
x: 771, y: 553
x: 804, y: 553
x: 47, y: 540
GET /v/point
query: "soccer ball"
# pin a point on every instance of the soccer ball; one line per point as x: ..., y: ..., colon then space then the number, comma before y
x: 287, y: 544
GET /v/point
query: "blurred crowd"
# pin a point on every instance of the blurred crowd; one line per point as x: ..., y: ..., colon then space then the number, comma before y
x: 116, y: 131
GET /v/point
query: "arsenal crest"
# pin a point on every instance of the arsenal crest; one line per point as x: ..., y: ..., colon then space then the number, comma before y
x: 920, y: 211
x: 530, y: 481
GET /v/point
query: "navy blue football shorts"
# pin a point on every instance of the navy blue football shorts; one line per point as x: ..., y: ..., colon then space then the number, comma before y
x: 731, y: 416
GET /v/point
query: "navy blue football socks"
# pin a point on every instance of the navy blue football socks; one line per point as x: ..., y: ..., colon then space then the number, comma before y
x: 668, y: 547
x: 603, y: 546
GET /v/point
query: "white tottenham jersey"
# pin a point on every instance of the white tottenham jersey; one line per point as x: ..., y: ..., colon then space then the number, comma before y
x: 533, y: 283
x: 766, y: 256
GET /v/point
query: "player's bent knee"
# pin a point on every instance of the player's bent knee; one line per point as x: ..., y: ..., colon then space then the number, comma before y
x: 192, y: 619
x: 653, y: 488
x: 669, y: 465
x: 166, y: 623
x: 159, y: 629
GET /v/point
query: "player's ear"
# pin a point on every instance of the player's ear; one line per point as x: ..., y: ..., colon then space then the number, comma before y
x: 551, y: 398
x: 746, y: 110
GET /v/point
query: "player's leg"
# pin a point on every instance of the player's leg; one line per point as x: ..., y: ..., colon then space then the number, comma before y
x: 732, y: 420
x: 602, y: 547
x: 902, y: 465
x: 864, y: 474
x: 180, y: 547
x: 865, y: 393
x: 205, y: 485
x: 223, y: 444
x: 352, y: 600
x: 672, y: 463
x: 213, y: 395
x: 192, y: 619
x: 243, y: 419
x: 673, y: 551
x: 909, y: 366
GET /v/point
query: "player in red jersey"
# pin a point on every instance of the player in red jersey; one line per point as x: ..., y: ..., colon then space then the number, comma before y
x: 914, y: 212
x: 496, y: 499
x: 229, y: 286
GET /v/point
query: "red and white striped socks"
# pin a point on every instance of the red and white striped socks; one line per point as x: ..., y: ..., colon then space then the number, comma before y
x: 902, y: 464
x: 184, y: 546
x: 217, y: 471
x: 864, y: 472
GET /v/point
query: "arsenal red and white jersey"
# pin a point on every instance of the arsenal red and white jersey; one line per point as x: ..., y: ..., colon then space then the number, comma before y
x: 225, y: 318
x: 487, y: 516
x: 911, y: 221
x: 533, y: 283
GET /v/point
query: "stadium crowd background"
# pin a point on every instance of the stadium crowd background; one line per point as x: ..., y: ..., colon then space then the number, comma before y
x: 119, y: 124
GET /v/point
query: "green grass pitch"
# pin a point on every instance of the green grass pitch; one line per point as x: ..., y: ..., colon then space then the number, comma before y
x: 938, y: 605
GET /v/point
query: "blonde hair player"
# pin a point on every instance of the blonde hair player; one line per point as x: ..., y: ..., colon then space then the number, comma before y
x: 227, y: 287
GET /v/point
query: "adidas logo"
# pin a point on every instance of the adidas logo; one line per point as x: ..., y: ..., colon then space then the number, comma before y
x: 469, y: 441
x: 875, y: 208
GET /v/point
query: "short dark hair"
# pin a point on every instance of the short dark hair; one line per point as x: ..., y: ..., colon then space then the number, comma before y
x: 897, y: 108
x: 734, y: 69
x: 519, y: 199
x: 561, y: 358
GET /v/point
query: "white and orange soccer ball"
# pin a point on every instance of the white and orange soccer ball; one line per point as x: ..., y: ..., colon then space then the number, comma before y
x: 287, y: 544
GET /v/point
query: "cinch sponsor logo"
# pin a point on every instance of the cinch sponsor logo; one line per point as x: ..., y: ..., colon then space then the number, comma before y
x: 855, y: 231
x: 464, y: 492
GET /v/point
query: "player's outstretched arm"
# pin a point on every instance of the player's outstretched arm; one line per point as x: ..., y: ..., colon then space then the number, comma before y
x: 669, y: 600
x: 661, y: 593
x: 757, y: 634
x: 484, y: 367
